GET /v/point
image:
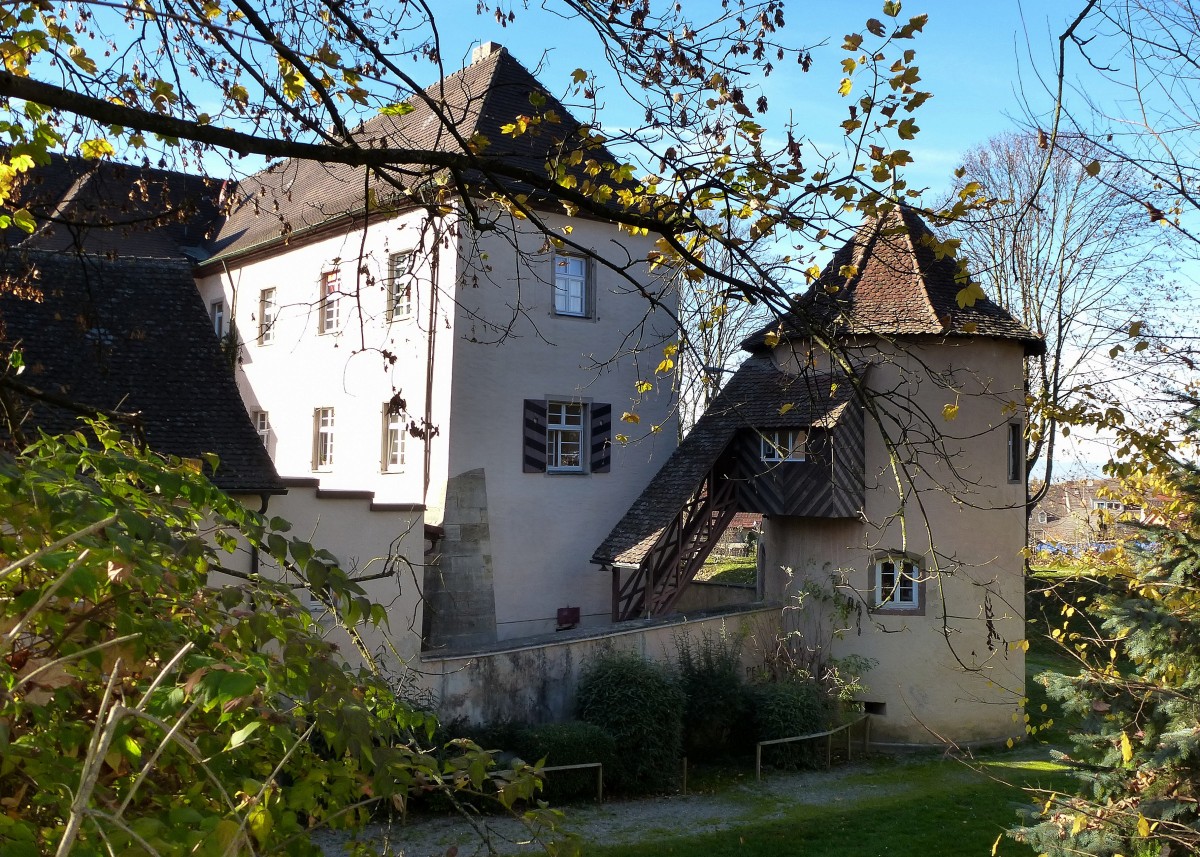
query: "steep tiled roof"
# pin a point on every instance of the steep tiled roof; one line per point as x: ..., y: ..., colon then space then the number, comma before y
x: 901, y: 288
x: 116, y: 210
x: 754, y: 397
x: 133, y: 335
x: 293, y: 196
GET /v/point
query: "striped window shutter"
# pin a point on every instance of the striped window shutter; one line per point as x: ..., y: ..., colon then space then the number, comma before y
x: 601, y: 436
x: 534, y: 441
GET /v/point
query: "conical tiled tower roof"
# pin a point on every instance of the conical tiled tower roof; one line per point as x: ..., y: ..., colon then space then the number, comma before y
x: 900, y: 288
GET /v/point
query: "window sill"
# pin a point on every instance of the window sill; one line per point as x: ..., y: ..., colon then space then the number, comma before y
x: 914, y: 610
x: 578, y: 317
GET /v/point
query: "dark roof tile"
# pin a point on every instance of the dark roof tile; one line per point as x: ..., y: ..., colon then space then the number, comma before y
x: 294, y: 196
x: 133, y: 335
x: 116, y: 210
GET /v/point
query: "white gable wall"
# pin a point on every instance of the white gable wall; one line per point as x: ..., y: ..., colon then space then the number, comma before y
x: 544, y: 526
x: 497, y: 342
x: 302, y: 369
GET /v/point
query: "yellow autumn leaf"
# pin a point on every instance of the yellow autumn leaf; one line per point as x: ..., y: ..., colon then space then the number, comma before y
x: 643, y: 386
x: 80, y: 58
x: 94, y: 150
x: 968, y: 296
x: 846, y: 86
x: 1078, y: 825
x: 1143, y: 826
x: 996, y: 844
x: 1126, y: 747
x: 949, y: 412
x: 622, y: 438
x: 579, y: 75
x: 771, y: 338
x: 785, y: 408
x: 670, y: 350
x: 666, y: 365
x: 629, y: 417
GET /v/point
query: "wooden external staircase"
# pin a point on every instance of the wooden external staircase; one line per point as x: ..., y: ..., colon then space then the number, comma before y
x: 678, y: 553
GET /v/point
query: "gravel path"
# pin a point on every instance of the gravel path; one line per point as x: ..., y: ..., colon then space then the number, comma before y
x: 622, y: 821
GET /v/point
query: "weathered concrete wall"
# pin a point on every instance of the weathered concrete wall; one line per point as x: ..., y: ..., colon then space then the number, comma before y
x: 460, y: 600
x: 701, y: 596
x: 535, y: 683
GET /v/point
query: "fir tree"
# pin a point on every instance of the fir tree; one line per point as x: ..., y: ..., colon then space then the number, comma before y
x: 1137, y: 752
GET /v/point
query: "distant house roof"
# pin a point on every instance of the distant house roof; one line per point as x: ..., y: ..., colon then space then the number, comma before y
x: 746, y: 521
x: 115, y: 210
x: 756, y: 396
x: 132, y: 335
x: 294, y: 196
x: 899, y: 288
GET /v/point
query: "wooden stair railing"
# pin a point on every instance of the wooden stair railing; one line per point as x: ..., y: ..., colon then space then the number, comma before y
x: 671, y: 564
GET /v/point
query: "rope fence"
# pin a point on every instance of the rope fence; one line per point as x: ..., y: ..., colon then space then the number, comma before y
x: 827, y: 735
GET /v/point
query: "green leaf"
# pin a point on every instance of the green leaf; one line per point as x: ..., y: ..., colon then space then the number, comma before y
x: 24, y: 221
x: 401, y: 109
x: 239, y: 737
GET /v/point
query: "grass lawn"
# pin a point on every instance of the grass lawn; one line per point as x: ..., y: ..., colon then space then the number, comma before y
x: 908, y: 808
x: 736, y: 569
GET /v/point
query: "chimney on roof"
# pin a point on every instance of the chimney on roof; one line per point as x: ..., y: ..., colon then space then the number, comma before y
x: 485, y: 50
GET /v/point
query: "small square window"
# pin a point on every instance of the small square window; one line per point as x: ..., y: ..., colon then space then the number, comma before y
x: 896, y: 585
x: 323, y: 439
x: 394, y: 433
x: 564, y: 437
x: 266, y: 316
x: 400, y: 286
x: 216, y: 312
x: 572, y: 293
x: 783, y: 445
x: 330, y: 289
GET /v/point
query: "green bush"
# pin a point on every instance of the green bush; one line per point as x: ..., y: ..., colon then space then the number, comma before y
x: 784, y: 709
x: 718, y: 701
x: 641, y: 706
x: 144, y: 709
x: 573, y: 743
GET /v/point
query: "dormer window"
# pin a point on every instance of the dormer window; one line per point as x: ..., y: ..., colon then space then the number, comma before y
x: 783, y: 445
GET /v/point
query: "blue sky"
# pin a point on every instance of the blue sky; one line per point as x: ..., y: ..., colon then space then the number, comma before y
x: 974, y: 57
